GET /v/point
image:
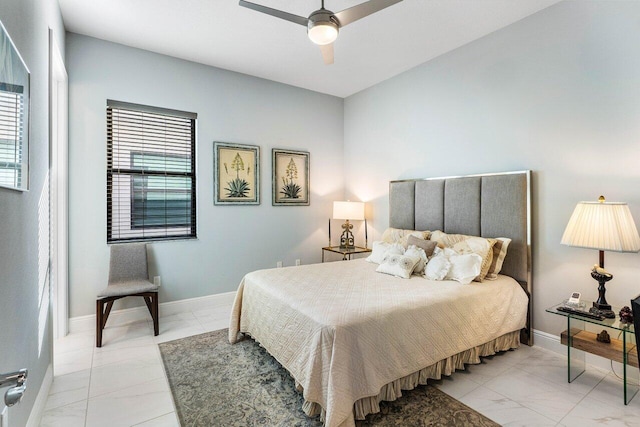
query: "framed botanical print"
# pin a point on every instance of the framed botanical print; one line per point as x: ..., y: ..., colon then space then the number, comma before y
x: 290, y: 181
x: 236, y: 179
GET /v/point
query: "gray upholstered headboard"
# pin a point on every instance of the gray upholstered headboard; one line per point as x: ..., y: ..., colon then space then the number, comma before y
x: 489, y: 205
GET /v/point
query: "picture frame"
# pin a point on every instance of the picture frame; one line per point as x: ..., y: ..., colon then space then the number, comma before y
x: 290, y: 177
x: 14, y: 115
x: 236, y: 176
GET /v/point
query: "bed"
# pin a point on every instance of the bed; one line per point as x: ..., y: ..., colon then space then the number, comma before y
x: 351, y: 337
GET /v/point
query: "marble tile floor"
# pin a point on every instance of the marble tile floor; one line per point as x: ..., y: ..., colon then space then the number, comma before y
x: 124, y: 384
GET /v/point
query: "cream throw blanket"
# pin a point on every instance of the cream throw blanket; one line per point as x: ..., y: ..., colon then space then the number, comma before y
x: 343, y: 331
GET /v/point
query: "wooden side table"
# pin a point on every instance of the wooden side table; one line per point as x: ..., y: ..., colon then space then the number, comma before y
x: 346, y: 253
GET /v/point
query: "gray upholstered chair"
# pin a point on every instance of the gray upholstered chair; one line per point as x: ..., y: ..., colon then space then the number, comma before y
x: 128, y: 276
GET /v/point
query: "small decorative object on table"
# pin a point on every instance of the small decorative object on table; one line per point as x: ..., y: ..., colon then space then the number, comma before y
x: 626, y: 315
x: 604, y: 337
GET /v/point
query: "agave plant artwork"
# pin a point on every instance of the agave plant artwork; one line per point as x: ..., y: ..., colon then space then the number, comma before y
x: 290, y: 189
x: 238, y: 187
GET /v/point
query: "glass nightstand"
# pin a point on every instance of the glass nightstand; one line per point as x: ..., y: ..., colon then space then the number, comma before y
x: 580, y: 337
x: 346, y: 253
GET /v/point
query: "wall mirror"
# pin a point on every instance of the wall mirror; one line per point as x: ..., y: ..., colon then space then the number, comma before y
x: 14, y: 116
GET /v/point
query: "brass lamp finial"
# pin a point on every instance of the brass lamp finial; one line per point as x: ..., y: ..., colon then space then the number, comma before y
x: 601, y: 199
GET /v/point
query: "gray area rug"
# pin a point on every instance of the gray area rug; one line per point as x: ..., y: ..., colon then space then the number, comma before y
x: 215, y: 383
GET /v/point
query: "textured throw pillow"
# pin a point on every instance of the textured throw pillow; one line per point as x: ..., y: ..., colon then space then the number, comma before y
x: 464, y: 267
x: 499, y: 253
x: 398, y: 235
x: 427, y: 246
x: 380, y: 250
x: 437, y: 267
x: 464, y: 244
x: 414, y: 251
x: 398, y: 265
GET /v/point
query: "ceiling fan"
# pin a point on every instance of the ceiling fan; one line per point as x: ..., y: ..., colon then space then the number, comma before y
x: 323, y: 25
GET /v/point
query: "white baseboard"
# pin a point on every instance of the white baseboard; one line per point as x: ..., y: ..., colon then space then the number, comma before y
x: 552, y: 342
x: 41, y: 399
x: 548, y: 342
x: 128, y: 315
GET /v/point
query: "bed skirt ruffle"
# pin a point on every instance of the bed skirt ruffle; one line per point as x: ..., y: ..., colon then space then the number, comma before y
x: 393, y: 390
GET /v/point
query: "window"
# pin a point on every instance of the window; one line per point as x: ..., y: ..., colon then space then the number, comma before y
x: 11, y: 135
x: 151, y: 180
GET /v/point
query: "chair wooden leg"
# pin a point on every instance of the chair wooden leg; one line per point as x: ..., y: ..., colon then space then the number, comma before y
x: 102, y: 315
x: 99, y: 323
x: 154, y: 315
x: 102, y: 312
x: 152, y: 305
x: 106, y: 314
x: 148, y: 300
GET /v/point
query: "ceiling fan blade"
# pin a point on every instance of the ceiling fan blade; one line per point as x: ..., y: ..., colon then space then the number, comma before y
x: 354, y: 13
x: 275, y: 12
x: 327, y: 53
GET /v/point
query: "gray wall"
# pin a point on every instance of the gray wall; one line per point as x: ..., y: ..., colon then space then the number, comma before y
x: 231, y: 107
x: 25, y: 332
x: 558, y: 93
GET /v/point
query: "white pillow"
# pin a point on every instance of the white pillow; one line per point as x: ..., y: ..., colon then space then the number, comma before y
x: 499, y: 253
x: 398, y: 235
x: 438, y: 266
x: 447, y: 264
x: 398, y: 265
x: 380, y: 250
x: 464, y: 267
x: 415, y: 251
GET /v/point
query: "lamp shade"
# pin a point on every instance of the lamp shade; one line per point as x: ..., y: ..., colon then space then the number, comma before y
x: 602, y: 225
x: 348, y: 210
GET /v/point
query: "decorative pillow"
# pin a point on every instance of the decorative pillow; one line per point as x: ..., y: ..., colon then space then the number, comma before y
x: 398, y: 235
x: 427, y: 245
x: 464, y: 244
x: 380, y: 250
x: 437, y: 267
x: 464, y: 267
x: 414, y: 251
x: 398, y: 265
x: 499, y: 253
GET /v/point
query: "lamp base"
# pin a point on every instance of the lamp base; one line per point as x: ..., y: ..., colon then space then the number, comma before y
x: 603, y: 309
x: 601, y: 304
x: 347, y: 242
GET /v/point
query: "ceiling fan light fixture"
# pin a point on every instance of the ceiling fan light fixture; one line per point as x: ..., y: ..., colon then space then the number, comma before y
x: 323, y: 25
x: 323, y: 33
x: 321, y: 28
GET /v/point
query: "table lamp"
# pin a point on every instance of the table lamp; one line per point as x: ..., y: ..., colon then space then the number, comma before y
x: 604, y: 226
x: 353, y: 211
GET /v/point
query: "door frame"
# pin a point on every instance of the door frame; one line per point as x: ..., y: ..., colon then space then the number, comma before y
x: 59, y: 181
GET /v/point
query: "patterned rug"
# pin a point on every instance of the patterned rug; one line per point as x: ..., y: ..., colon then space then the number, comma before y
x: 218, y: 384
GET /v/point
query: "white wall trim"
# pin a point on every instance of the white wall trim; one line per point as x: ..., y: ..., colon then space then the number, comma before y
x: 59, y: 183
x: 41, y: 400
x: 127, y: 315
x: 548, y: 341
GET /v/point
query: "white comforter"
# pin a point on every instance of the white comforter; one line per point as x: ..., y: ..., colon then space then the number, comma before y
x: 343, y: 331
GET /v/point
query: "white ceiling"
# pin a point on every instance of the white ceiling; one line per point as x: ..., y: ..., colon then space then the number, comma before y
x: 222, y: 34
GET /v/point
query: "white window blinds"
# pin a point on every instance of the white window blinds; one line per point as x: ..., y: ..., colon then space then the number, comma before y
x: 11, y: 135
x: 151, y: 180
